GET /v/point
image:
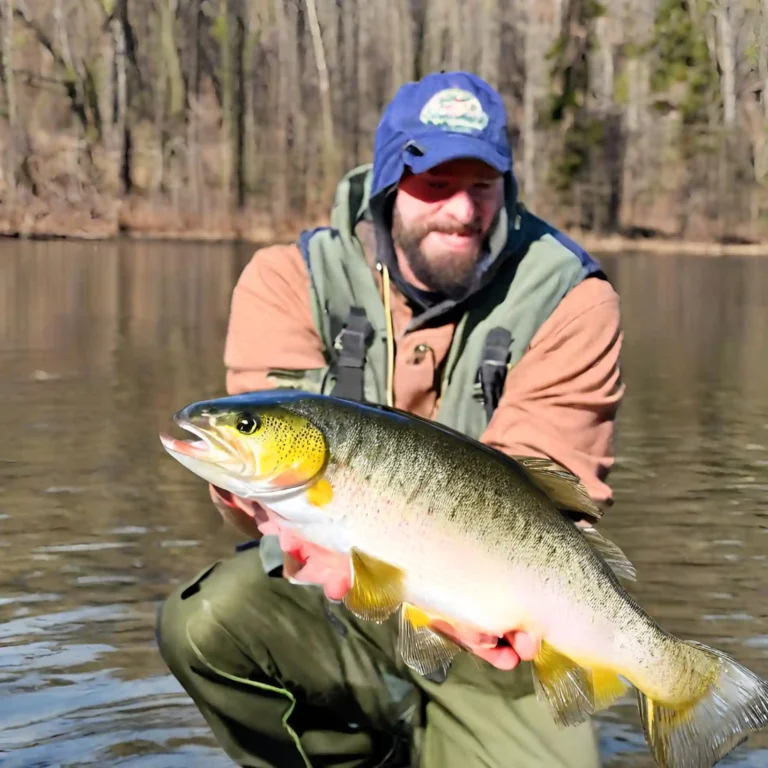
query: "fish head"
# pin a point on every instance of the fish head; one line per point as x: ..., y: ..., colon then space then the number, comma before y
x: 253, y: 446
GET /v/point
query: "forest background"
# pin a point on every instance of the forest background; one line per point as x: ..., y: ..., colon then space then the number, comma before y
x: 631, y: 119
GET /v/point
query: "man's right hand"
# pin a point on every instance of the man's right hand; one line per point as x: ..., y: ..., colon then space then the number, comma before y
x: 302, y: 560
x: 242, y: 514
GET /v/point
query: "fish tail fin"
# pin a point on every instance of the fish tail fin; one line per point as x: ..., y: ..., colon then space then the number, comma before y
x: 732, y: 704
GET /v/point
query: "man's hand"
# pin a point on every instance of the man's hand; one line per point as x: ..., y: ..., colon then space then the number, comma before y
x: 240, y: 513
x: 312, y: 564
x: 505, y: 652
x: 304, y: 561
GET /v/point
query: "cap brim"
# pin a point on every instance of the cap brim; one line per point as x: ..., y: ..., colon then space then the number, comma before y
x: 437, y: 150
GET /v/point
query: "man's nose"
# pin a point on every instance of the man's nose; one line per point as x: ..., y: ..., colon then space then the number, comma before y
x: 461, y: 206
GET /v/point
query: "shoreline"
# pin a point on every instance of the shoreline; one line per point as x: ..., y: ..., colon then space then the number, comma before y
x: 253, y: 228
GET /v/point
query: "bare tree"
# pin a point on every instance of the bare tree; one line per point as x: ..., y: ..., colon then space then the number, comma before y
x: 650, y: 115
x: 725, y: 55
x: 329, y: 150
x: 11, y: 157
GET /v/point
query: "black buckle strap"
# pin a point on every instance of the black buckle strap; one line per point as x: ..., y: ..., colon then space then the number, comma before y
x: 492, y: 371
x: 351, y: 344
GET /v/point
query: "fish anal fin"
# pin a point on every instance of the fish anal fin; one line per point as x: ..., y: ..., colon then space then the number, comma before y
x: 563, y: 685
x: 606, y: 686
x: 613, y: 557
x: 377, y: 588
x: 563, y: 487
x: 421, y: 648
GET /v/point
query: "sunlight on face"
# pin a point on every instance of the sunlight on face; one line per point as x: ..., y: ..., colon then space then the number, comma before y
x: 440, y: 219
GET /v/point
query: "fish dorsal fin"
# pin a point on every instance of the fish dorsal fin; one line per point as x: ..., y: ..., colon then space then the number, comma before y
x: 562, y: 486
x: 614, y: 558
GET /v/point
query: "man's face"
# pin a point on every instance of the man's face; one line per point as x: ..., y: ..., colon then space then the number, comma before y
x: 440, y: 219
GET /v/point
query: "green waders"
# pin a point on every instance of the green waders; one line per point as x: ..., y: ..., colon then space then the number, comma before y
x: 286, y: 679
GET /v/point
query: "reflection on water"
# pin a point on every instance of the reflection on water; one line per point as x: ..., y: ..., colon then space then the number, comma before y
x: 99, y: 344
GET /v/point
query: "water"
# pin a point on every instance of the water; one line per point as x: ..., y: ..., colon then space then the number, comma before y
x: 99, y: 344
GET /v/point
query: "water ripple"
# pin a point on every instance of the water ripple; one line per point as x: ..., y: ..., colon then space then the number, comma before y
x: 98, y: 347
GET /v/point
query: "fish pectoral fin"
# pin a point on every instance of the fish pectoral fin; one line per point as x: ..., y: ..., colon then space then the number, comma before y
x: 377, y: 588
x: 565, y: 490
x: 420, y: 647
x: 563, y: 685
x: 320, y: 493
x: 613, y: 557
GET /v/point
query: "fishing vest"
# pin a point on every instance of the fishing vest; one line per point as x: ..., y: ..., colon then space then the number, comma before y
x: 540, y: 265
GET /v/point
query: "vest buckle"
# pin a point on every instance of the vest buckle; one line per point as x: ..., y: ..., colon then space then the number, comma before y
x: 492, y: 370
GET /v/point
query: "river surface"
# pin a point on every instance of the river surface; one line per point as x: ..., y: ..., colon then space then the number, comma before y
x: 101, y: 343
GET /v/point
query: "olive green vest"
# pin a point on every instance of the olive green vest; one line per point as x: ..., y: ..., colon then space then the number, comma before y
x: 539, y: 267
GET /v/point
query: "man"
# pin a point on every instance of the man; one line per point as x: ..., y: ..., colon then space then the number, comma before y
x: 434, y: 290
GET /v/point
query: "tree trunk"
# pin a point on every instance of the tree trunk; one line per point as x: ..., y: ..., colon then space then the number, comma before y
x: 405, y: 35
x: 763, y: 65
x: 123, y: 33
x: 531, y: 89
x: 257, y: 20
x: 727, y: 62
x: 489, y: 43
x: 281, y: 94
x: 8, y: 78
x: 329, y: 139
x: 160, y: 92
x: 366, y: 121
x: 74, y: 71
x: 172, y: 64
x: 226, y: 77
x: 605, y: 63
x: 239, y: 36
x: 194, y: 171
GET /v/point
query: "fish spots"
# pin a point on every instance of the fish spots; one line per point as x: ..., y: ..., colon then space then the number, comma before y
x: 320, y: 493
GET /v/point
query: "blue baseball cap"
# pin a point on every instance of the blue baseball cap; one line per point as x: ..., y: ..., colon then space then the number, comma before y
x: 444, y: 116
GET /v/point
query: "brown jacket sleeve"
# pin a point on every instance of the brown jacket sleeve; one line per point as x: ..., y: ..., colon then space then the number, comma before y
x: 561, y: 399
x: 270, y: 322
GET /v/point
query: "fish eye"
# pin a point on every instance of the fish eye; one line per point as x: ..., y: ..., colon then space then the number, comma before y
x: 247, y: 423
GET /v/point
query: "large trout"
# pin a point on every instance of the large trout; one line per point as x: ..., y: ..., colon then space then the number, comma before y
x: 440, y: 526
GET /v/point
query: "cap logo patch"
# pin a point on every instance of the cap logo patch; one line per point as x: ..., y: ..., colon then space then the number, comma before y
x: 456, y: 110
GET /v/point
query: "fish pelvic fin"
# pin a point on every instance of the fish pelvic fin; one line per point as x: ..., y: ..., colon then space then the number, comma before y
x: 421, y: 648
x: 697, y: 734
x: 611, y: 555
x: 377, y: 588
x: 572, y: 692
x: 563, y: 487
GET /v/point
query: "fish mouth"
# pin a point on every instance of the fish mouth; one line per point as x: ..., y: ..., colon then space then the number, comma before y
x: 211, y: 457
x: 227, y: 462
x: 205, y: 446
x: 200, y: 448
x: 208, y: 455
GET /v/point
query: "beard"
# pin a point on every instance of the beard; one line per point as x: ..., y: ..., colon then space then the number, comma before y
x: 451, y: 274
